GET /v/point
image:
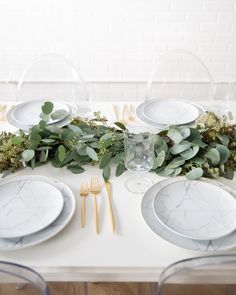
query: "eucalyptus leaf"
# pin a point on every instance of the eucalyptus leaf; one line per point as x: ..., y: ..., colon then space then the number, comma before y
x: 34, y: 140
x: 106, y: 136
x: 28, y: 155
x: 61, y: 153
x: 165, y: 172
x: 54, y: 129
x: 120, y: 125
x: 179, y: 148
x: 175, y: 163
x: 105, y: 161
x: 120, y: 169
x: 190, y: 153
x: 159, y: 160
x: 185, y: 132
x: 214, y: 156
x: 44, y: 118
x: 106, y: 172
x: 59, y: 115
x: 91, y: 153
x: 224, y: 153
x: 17, y: 140
x: 195, y: 173
x: 47, y: 107
x: 177, y: 172
x: 118, y: 158
x: 224, y: 139
x: 48, y: 140
x: 76, y: 129
x: 81, y: 149
x: 76, y: 169
x: 175, y: 135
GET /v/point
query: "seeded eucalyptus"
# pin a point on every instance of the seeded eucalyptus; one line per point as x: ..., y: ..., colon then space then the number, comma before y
x: 209, y: 149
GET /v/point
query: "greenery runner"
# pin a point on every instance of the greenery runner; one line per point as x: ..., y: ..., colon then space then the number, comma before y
x: 208, y: 149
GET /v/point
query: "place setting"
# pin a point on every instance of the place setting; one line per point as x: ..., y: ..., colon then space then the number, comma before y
x: 163, y: 113
x: 33, y: 210
x: 28, y: 114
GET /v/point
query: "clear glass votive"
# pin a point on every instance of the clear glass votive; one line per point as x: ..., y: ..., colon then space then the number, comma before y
x: 139, y: 157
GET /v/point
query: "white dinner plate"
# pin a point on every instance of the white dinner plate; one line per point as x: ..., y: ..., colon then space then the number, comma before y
x: 28, y: 113
x: 27, y: 206
x: 224, y: 243
x: 58, y: 124
x: 140, y: 115
x: 170, y: 112
x: 51, y: 230
x: 196, y: 209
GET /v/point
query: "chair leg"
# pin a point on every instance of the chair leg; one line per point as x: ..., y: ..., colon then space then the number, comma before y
x: 70, y: 289
x: 20, y: 286
x: 85, y: 288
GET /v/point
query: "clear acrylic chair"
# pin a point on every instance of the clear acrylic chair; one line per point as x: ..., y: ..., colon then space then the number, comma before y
x: 206, y: 275
x: 52, y: 77
x: 18, y: 279
x: 180, y: 74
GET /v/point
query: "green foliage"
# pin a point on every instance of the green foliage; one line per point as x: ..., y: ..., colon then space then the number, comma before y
x: 208, y: 149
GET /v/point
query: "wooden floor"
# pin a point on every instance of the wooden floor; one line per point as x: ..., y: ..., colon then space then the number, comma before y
x: 121, y: 289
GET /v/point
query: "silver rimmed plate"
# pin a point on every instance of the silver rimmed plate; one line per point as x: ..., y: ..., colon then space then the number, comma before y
x: 142, y: 117
x: 196, y: 209
x: 224, y: 243
x: 170, y: 112
x: 27, y: 206
x: 54, y: 228
x: 28, y: 113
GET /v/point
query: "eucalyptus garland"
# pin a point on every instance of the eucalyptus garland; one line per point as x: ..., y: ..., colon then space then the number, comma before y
x: 209, y: 149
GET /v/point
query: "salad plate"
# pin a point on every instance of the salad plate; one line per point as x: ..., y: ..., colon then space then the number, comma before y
x: 142, y: 117
x: 28, y: 113
x: 170, y: 112
x: 27, y: 206
x: 52, y: 229
x: 159, y: 229
x: 196, y: 209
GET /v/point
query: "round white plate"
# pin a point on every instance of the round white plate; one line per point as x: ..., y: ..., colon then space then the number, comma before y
x: 140, y: 115
x: 27, y: 206
x: 54, y: 228
x: 28, y: 113
x: 59, y: 124
x: 170, y: 112
x: 224, y: 243
x: 196, y: 209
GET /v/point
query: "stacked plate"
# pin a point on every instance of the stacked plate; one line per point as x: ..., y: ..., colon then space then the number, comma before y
x: 162, y: 113
x: 196, y: 215
x: 27, y: 114
x: 32, y: 210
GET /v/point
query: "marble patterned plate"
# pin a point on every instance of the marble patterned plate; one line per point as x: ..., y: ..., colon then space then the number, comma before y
x: 196, y: 209
x: 221, y: 244
x: 27, y: 206
x: 59, y: 124
x: 28, y: 113
x: 140, y: 115
x: 170, y: 112
x: 54, y: 228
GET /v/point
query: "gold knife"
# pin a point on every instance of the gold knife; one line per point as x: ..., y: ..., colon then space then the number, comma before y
x: 108, y: 190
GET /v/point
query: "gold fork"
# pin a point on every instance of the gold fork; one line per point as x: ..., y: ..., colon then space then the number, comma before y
x: 131, y: 113
x: 3, y: 112
x: 95, y: 189
x: 84, y: 191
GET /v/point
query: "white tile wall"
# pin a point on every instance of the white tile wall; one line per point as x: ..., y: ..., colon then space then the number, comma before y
x: 117, y: 41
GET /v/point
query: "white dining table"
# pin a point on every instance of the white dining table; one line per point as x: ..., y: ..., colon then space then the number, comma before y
x: 133, y: 253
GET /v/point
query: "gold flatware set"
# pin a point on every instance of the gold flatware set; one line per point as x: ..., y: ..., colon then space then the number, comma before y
x: 95, y: 190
